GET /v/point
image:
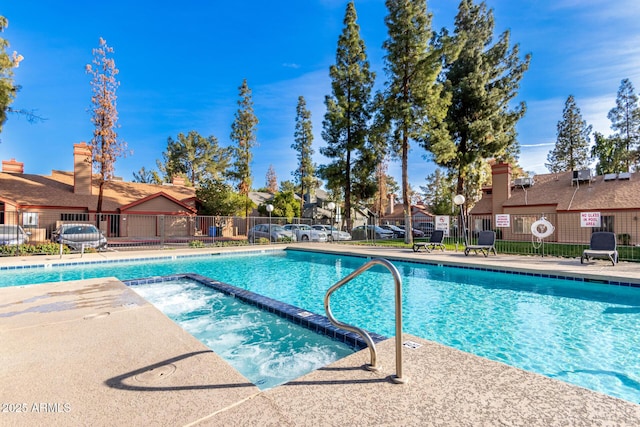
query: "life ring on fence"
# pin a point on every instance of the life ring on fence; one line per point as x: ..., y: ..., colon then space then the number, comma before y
x: 542, y: 228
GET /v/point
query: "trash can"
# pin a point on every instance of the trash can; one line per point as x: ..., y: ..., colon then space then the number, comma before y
x: 212, y: 231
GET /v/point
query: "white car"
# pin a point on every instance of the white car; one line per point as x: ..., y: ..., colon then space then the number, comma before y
x: 13, y: 235
x: 305, y: 233
x: 332, y: 232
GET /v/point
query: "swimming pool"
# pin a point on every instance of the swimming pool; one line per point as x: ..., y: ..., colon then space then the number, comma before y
x: 264, y: 347
x: 578, y: 332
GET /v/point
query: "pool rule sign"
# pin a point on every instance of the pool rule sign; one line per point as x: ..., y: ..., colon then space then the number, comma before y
x: 503, y: 220
x: 590, y: 219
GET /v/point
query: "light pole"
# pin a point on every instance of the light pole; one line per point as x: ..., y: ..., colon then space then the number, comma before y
x: 459, y: 201
x: 331, y: 207
x: 269, y: 209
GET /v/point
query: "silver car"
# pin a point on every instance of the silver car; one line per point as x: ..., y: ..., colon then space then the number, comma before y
x: 305, y: 233
x: 274, y: 233
x: 78, y: 236
x: 13, y: 235
x: 332, y: 232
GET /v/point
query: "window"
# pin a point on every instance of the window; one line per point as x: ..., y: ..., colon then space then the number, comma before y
x: 74, y: 217
x: 522, y: 224
x: 30, y: 220
x: 606, y: 223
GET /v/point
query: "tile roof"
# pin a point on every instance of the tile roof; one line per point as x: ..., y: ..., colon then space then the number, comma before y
x: 56, y: 190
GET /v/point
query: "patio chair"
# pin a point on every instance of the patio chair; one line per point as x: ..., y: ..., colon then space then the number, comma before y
x: 603, y: 245
x: 435, y: 241
x: 486, y: 243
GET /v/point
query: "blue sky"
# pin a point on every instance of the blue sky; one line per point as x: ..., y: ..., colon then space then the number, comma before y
x: 181, y: 64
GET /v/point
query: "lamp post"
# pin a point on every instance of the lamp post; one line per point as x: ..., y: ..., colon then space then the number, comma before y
x: 459, y: 201
x: 269, y: 209
x: 331, y: 207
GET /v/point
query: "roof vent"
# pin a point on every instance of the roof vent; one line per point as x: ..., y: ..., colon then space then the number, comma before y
x: 581, y: 175
x: 523, y: 182
x: 624, y: 175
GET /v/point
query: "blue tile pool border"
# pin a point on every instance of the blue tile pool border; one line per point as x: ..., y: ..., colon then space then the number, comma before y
x: 258, y: 251
x: 312, y: 321
x: 493, y: 269
x: 137, y: 259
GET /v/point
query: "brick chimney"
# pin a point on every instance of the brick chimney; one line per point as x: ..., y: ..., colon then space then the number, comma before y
x: 392, y: 203
x: 501, y: 185
x: 178, y: 181
x: 12, y: 166
x: 82, y: 174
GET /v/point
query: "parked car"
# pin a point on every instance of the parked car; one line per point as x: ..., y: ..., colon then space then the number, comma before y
x: 398, y: 233
x: 426, y: 227
x: 332, y: 232
x: 13, y: 235
x: 414, y: 231
x: 275, y: 233
x: 77, y: 236
x: 305, y: 233
x: 370, y: 232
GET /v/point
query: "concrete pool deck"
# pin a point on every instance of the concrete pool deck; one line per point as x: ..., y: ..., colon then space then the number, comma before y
x: 93, y: 352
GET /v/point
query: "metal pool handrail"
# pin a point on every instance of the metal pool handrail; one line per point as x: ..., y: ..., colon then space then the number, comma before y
x: 398, y: 378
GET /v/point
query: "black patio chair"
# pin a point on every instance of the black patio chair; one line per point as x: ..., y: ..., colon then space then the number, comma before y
x: 602, y: 245
x: 435, y: 241
x: 486, y: 243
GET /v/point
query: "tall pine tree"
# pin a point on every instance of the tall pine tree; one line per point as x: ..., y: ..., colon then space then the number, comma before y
x: 345, y: 125
x: 196, y: 157
x: 482, y: 80
x: 625, y: 120
x: 243, y: 133
x: 412, y: 108
x: 572, y: 145
x: 303, y: 137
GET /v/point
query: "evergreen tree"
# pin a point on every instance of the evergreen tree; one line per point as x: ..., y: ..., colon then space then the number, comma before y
x: 195, y: 157
x: 272, y: 180
x: 284, y: 205
x: 438, y: 193
x: 345, y: 125
x: 219, y: 199
x: 303, y: 137
x: 572, y: 145
x: 146, y: 176
x: 625, y: 120
x: 609, y: 152
x: 412, y: 108
x: 243, y: 133
x: 8, y: 89
x: 105, y: 145
x: 482, y: 79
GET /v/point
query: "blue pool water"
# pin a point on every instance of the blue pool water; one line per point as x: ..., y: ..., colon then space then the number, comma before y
x: 267, y: 349
x: 579, y: 332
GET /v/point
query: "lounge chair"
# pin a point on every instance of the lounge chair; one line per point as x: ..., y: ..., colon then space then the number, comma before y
x: 435, y: 241
x: 603, y: 245
x: 486, y: 243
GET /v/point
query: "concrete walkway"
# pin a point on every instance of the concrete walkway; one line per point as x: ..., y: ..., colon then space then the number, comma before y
x: 95, y: 353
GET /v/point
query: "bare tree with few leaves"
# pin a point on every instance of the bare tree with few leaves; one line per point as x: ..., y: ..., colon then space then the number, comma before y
x: 272, y: 180
x: 105, y: 145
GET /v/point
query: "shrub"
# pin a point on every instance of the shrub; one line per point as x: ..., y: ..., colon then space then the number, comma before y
x: 196, y: 244
x: 624, y: 239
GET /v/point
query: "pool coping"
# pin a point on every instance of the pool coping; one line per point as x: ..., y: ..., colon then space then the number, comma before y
x: 309, y: 320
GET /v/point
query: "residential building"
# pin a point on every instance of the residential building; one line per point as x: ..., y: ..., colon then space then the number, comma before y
x: 576, y: 203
